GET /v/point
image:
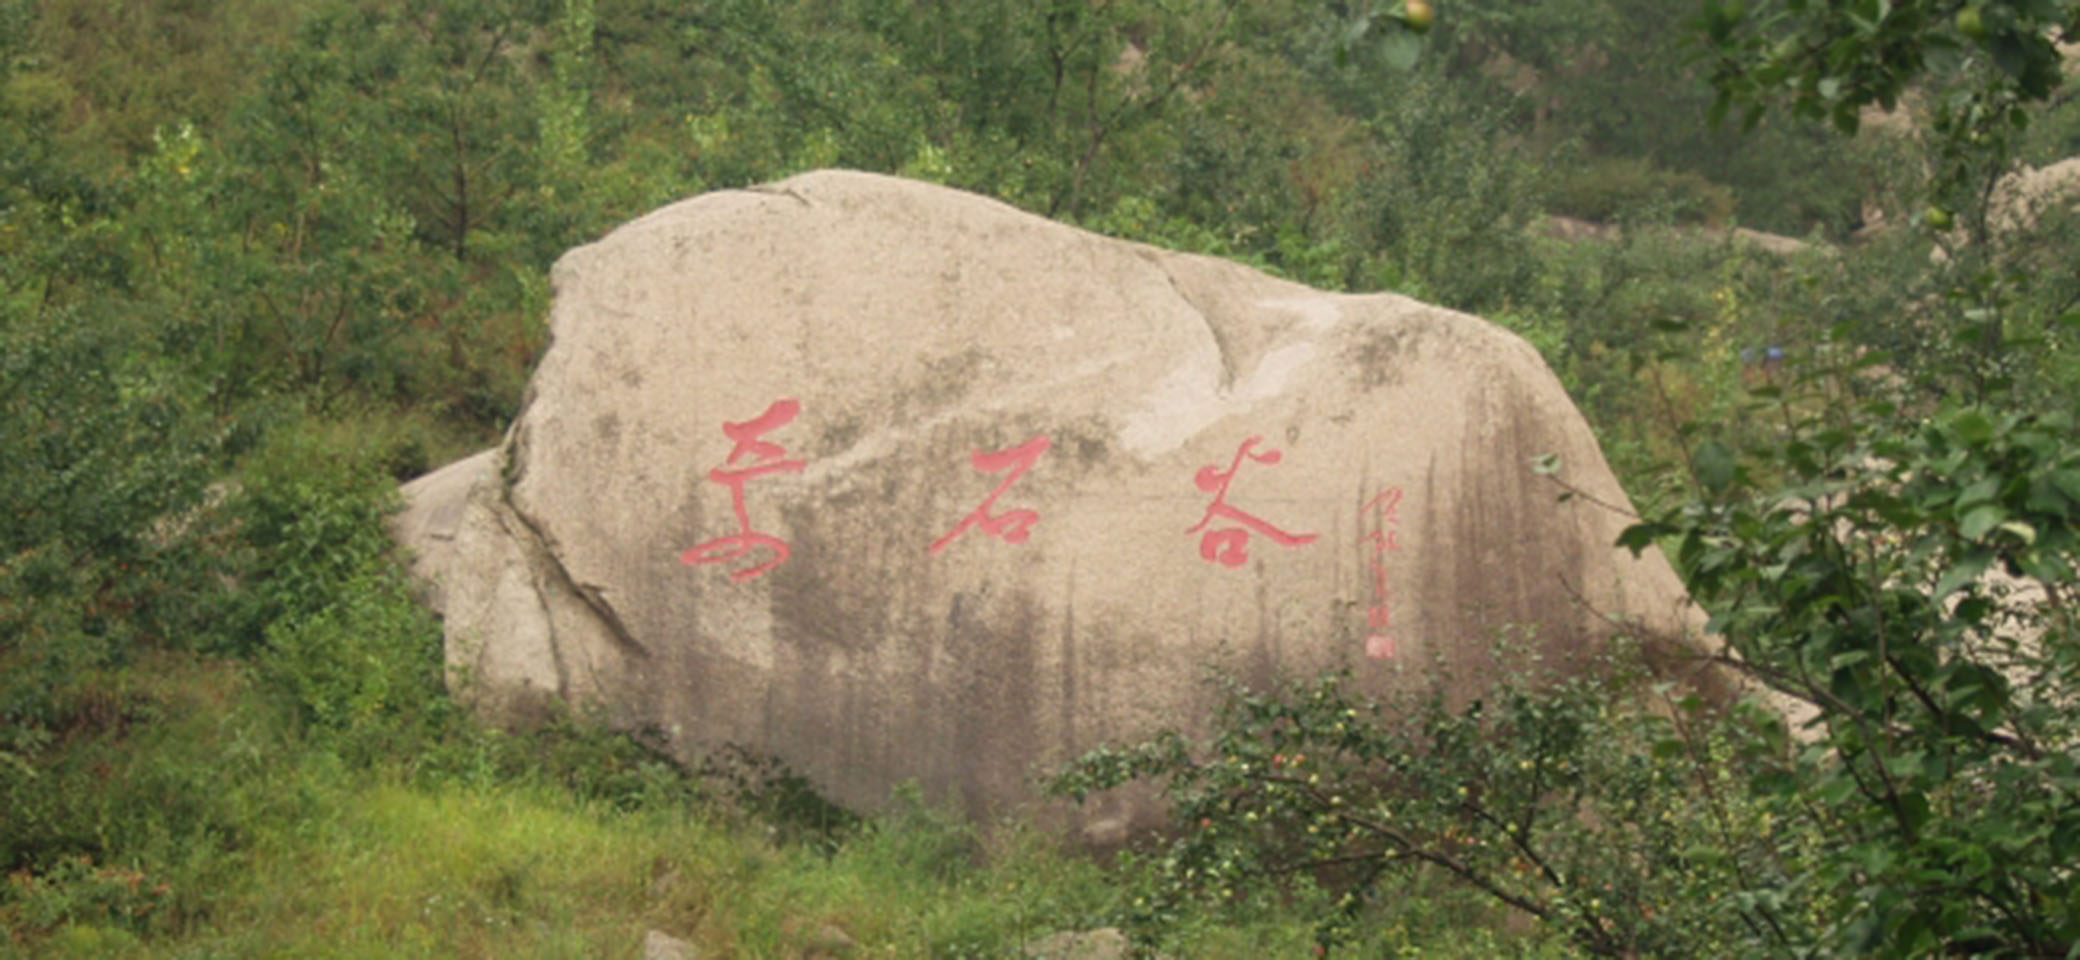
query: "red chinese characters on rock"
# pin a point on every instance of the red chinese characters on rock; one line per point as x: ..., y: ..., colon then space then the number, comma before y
x: 1384, y: 510
x: 1014, y: 526
x: 766, y: 458
x: 1229, y: 546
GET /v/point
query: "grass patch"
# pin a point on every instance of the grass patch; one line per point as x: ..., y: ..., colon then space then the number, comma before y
x: 218, y: 827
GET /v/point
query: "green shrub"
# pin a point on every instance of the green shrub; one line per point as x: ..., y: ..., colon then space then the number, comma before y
x: 1633, y: 189
x: 765, y: 787
x: 1660, y: 327
x: 76, y: 891
x: 364, y: 669
x: 1568, y: 799
x: 1441, y: 215
x: 181, y: 769
x: 310, y: 510
x: 571, y: 754
x: 1909, y: 577
x: 104, y: 548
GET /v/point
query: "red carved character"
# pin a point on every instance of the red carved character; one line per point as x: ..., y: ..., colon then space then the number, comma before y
x: 1014, y: 526
x: 1385, y: 509
x: 767, y: 459
x: 1229, y: 547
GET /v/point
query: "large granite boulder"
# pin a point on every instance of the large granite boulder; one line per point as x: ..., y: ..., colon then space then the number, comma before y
x: 896, y: 483
x: 2021, y: 199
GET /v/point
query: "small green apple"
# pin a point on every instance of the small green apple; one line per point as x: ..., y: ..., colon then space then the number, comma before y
x: 1418, y: 15
x: 1971, y: 21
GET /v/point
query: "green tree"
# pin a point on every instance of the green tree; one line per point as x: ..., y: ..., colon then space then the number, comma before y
x: 1977, y: 69
x: 1904, y: 569
x: 103, y: 550
x: 1587, y: 804
x: 1912, y: 584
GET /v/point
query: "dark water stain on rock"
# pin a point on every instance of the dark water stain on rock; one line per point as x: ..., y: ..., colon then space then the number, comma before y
x: 1088, y: 442
x: 1509, y: 548
x: 1380, y: 354
x: 845, y: 574
x: 991, y: 697
x: 942, y: 383
x: 837, y: 435
x: 1065, y: 697
x: 866, y: 680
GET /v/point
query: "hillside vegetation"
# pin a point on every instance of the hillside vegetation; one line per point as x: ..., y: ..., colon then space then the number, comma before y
x: 261, y: 261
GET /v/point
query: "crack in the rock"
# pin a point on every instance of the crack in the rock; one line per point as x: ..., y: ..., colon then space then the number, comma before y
x: 587, y: 595
x: 774, y: 190
x: 511, y: 456
x: 541, y: 602
x: 1220, y: 342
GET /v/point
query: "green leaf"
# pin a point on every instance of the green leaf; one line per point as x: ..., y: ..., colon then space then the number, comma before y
x: 2044, y: 497
x: 1980, y: 519
x: 1847, y: 119
x: 2068, y: 482
x: 2011, y: 55
x: 1914, y: 808
x: 1972, y: 611
x: 1640, y: 536
x: 1979, y: 492
x: 1400, y: 49
x: 1963, y: 572
x: 2022, y: 531
x: 1905, y: 765
x: 1715, y: 466
x: 1972, y: 426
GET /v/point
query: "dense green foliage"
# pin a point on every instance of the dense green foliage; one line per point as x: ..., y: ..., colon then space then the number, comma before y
x: 1885, y: 529
x: 1912, y: 586
x: 258, y: 261
x: 1568, y: 801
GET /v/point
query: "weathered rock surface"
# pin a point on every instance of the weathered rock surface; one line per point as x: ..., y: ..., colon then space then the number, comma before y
x: 659, y: 945
x: 1105, y: 943
x: 2020, y: 201
x: 900, y: 483
x: 1573, y: 229
x: 2021, y: 198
